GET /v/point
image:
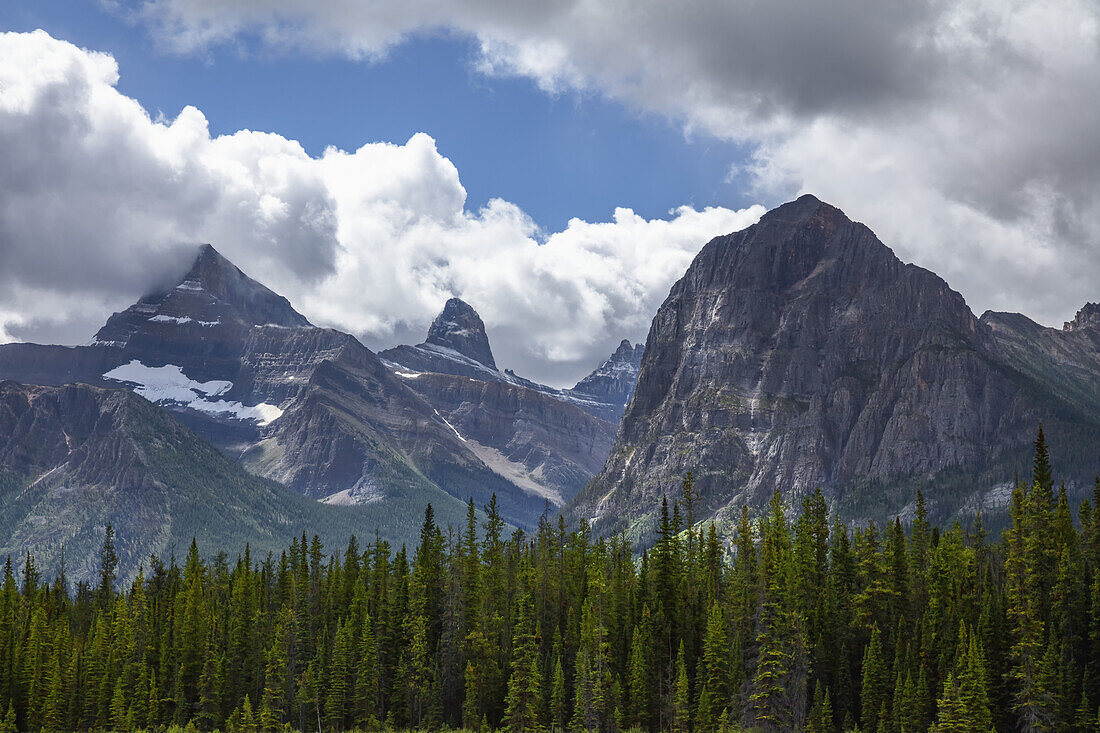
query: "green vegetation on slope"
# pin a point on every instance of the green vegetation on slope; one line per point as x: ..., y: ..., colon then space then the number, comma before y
x: 160, y: 485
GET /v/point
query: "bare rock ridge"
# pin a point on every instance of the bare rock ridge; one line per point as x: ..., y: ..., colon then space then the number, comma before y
x: 615, y: 379
x: 546, y: 440
x: 1087, y: 319
x: 802, y: 353
x: 460, y: 328
x: 457, y: 344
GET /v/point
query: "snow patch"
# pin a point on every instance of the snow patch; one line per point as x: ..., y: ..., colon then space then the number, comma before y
x: 408, y: 375
x: 168, y: 384
x: 452, y: 427
x: 181, y: 320
x: 193, y: 285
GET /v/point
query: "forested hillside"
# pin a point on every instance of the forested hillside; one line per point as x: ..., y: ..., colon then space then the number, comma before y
x: 798, y: 624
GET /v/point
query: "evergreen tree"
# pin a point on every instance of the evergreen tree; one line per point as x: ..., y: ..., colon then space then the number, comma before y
x: 525, y: 685
x: 681, y: 700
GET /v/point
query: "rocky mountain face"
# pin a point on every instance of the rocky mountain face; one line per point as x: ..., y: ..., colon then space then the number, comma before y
x: 310, y: 407
x: 1065, y: 361
x: 76, y: 458
x: 801, y: 353
x: 457, y: 344
x: 614, y: 381
x: 547, y: 441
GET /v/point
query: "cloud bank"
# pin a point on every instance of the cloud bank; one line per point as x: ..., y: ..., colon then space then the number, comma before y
x: 98, y: 201
x: 965, y: 132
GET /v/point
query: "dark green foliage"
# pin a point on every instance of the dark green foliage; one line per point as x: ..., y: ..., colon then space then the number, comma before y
x: 792, y: 625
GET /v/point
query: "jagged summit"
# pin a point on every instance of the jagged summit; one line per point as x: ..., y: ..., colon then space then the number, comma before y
x: 1087, y: 317
x: 614, y: 380
x: 627, y: 351
x: 459, y: 327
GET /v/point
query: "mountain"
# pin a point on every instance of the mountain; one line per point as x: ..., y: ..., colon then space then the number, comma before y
x: 802, y: 353
x: 76, y: 458
x: 547, y: 441
x: 307, y: 406
x: 457, y: 344
x: 1066, y: 360
x: 614, y: 381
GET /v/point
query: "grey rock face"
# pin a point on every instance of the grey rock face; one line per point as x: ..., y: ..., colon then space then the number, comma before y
x: 614, y: 381
x: 801, y: 353
x: 550, y: 448
x: 1087, y: 319
x: 460, y: 328
x: 547, y: 441
x: 457, y: 345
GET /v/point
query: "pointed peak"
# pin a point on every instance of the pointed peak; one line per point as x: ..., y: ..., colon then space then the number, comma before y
x: 459, y: 327
x: 208, y: 262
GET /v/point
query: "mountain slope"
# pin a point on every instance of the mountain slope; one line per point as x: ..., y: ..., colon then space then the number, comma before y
x: 76, y: 458
x: 545, y: 441
x: 1065, y: 361
x: 800, y: 353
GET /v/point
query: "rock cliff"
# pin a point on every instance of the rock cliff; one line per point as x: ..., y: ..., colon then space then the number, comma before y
x: 802, y: 353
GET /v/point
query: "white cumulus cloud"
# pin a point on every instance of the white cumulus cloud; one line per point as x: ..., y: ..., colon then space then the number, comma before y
x: 966, y: 133
x: 98, y: 201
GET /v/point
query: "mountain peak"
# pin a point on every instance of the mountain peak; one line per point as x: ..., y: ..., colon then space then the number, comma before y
x: 1087, y: 317
x: 213, y: 292
x: 459, y: 327
x: 627, y: 352
x: 211, y: 274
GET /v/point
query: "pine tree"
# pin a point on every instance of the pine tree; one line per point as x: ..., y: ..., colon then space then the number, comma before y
x: 525, y: 685
x: 557, y: 697
x: 8, y: 725
x: 641, y: 672
x: 1028, y: 570
x: 777, y: 693
x: 820, y: 719
x: 876, y: 680
x: 681, y: 699
x: 340, y: 682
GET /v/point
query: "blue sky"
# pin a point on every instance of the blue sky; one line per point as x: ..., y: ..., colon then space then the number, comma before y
x: 558, y: 156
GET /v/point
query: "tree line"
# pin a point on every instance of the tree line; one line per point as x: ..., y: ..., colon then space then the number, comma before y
x: 798, y: 622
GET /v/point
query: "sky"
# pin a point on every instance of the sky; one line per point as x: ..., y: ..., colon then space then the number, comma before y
x: 556, y: 164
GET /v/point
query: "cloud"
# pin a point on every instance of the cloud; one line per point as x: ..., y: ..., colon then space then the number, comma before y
x: 966, y: 133
x: 98, y: 201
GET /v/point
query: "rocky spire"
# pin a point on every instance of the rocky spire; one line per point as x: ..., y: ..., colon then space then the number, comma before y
x: 1087, y: 317
x: 460, y: 328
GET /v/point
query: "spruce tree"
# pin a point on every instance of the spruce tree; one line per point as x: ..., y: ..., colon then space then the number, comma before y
x: 525, y: 684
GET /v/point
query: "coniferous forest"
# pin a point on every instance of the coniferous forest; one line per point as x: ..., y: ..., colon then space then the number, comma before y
x: 799, y: 623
